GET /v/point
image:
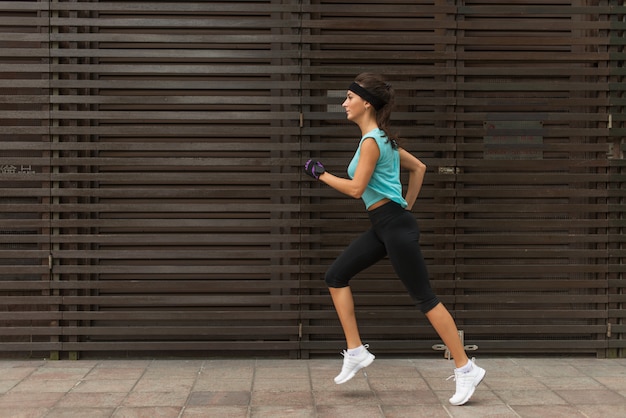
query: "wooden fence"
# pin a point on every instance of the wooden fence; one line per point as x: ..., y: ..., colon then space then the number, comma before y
x: 152, y: 198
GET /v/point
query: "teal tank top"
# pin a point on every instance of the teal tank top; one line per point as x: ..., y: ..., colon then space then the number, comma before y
x: 385, y: 180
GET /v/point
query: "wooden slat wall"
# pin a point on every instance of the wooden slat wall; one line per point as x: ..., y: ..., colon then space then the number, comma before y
x: 532, y: 116
x: 29, y: 308
x: 160, y: 145
x: 175, y: 135
x: 617, y: 185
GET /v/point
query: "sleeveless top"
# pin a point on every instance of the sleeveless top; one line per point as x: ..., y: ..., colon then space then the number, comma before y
x: 385, y: 180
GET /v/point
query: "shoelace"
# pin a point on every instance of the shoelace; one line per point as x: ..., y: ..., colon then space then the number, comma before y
x: 454, y: 376
x: 463, y: 383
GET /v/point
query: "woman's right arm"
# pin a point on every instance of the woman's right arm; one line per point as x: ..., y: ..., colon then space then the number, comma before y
x: 416, y: 170
x: 367, y: 163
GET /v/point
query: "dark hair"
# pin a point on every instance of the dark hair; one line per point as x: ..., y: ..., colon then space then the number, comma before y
x: 377, y: 86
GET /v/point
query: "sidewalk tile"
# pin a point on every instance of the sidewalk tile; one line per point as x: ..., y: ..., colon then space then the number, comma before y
x: 393, y: 368
x: 294, y: 398
x: 415, y: 411
x: 360, y: 398
x: 282, y: 412
x: 30, y: 399
x: 65, y: 373
x: 31, y: 384
x: 570, y: 383
x: 164, y: 384
x: 617, y: 383
x: 156, y: 399
x: 283, y: 385
x: 483, y: 411
x: 147, y: 412
x: 343, y: 411
x: 404, y: 397
x: 596, y: 397
x: 80, y: 412
x: 400, y: 383
x: 219, y: 398
x: 521, y: 383
x: 216, y: 411
x: 216, y: 385
x: 290, y: 373
x: 551, y: 411
x: 117, y: 373
x: 93, y: 399
x: 102, y: 386
x: 481, y: 396
x: 14, y: 373
x: 24, y: 412
x: 529, y: 397
x: 7, y: 385
x: 603, y: 411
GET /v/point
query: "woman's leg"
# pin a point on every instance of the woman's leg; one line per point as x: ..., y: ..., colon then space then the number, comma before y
x: 364, y: 251
x: 401, y: 238
x: 360, y: 254
x: 445, y: 326
x: 344, y: 305
x: 402, y: 241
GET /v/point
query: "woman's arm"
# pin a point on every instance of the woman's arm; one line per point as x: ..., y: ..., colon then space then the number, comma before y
x: 416, y: 170
x: 356, y: 186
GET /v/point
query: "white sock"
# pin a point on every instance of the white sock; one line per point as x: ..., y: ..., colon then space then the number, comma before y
x: 355, y: 351
x: 466, y: 368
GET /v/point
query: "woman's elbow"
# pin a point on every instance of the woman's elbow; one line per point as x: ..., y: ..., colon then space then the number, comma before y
x: 356, y: 192
x: 356, y: 195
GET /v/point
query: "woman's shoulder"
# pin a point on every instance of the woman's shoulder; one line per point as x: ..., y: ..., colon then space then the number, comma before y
x: 377, y: 134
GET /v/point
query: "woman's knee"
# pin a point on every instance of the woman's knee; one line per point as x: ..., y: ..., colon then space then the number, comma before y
x: 335, y: 280
x: 428, y: 304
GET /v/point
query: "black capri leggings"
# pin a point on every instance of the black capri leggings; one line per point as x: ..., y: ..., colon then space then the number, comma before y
x: 395, y: 233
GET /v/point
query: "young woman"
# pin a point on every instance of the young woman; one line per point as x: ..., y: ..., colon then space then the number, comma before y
x: 375, y: 177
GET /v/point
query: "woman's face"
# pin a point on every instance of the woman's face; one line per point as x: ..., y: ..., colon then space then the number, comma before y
x: 354, y: 106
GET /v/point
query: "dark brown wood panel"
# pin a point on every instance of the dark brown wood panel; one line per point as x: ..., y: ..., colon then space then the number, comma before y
x: 177, y: 192
x: 531, y: 166
x: 29, y: 308
x: 616, y: 333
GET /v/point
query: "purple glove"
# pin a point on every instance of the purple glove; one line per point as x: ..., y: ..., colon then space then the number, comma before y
x: 314, y: 168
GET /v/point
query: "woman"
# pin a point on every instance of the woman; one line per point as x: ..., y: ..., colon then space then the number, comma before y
x: 375, y: 177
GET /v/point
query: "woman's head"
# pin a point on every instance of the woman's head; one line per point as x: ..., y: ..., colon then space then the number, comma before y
x: 380, y: 94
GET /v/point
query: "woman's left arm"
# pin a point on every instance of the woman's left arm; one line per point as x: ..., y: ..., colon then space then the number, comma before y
x: 416, y: 170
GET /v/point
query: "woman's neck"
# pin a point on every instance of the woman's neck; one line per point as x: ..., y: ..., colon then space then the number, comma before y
x: 368, y: 127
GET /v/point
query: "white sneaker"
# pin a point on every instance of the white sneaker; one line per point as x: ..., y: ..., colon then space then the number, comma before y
x: 466, y: 383
x: 352, y: 364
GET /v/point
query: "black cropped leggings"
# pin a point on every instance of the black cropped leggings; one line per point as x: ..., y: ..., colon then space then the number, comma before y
x: 395, y: 233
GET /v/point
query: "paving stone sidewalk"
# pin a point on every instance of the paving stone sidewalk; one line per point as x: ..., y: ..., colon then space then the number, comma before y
x: 254, y: 388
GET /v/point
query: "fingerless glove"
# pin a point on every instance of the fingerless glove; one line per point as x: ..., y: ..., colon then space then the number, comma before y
x: 314, y: 168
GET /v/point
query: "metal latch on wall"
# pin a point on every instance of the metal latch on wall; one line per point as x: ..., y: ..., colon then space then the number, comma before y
x: 444, y: 348
x: 448, y: 170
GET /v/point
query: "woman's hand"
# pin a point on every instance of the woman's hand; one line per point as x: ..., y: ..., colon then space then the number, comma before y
x: 314, y: 168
